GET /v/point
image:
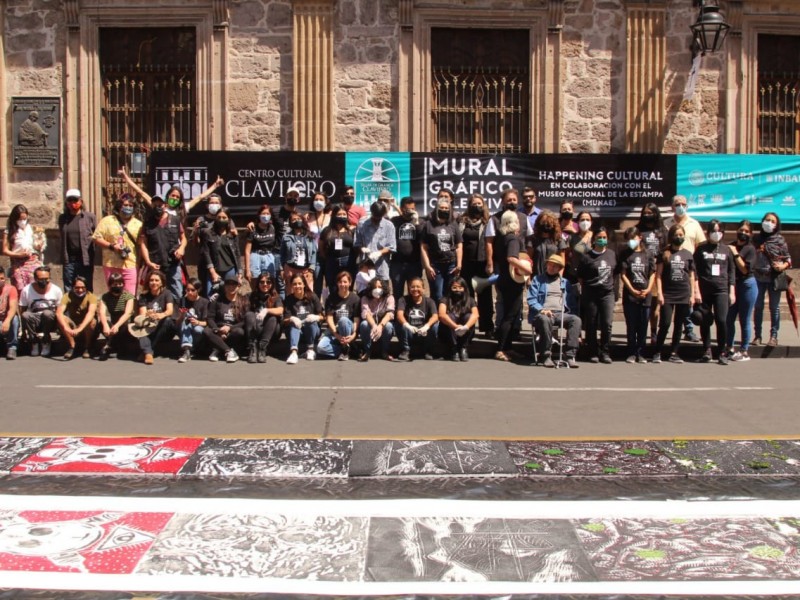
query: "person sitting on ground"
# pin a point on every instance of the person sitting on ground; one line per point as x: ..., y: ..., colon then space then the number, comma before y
x: 191, y: 319
x: 9, y: 318
x: 226, y: 321
x: 377, y: 315
x: 262, y: 321
x: 114, y: 310
x: 155, y: 305
x: 37, y: 305
x: 417, y: 321
x: 553, y: 301
x: 77, y: 318
x: 458, y: 315
x: 342, y: 314
x: 366, y: 273
x: 301, y: 316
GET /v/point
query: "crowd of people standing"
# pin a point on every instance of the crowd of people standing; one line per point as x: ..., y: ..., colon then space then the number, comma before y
x: 341, y: 282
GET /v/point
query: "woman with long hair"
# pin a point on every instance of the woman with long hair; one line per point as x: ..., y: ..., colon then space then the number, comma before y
x: 301, y: 316
x: 298, y: 251
x: 262, y: 321
x: 335, y: 248
x: 546, y: 241
x: 219, y: 253
x: 772, y: 259
x: 744, y: 258
x: 342, y: 314
x: 21, y: 247
x: 441, y: 248
x: 191, y: 318
x: 638, y: 274
x: 318, y: 218
x: 473, y: 234
x: 226, y: 329
x: 155, y: 304
x: 654, y: 237
x: 507, y: 258
x: 458, y: 315
x: 596, y: 275
x: 261, y: 247
x: 377, y: 320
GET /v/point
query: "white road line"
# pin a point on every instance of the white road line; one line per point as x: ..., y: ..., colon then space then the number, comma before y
x: 424, y: 507
x: 383, y: 388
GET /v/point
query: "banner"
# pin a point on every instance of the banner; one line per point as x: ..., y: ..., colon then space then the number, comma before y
x: 741, y: 186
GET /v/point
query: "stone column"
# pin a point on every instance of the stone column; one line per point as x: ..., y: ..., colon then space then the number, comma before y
x: 645, y: 109
x: 740, y: 133
x: 4, y: 154
x: 312, y: 53
x: 546, y: 133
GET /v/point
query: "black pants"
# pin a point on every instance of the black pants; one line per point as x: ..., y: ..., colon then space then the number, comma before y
x: 474, y: 268
x: 681, y: 311
x: 716, y: 303
x: 512, y: 309
x: 260, y: 332
x: 236, y: 339
x: 599, y: 307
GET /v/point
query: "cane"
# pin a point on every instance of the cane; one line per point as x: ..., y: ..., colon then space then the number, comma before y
x: 561, y: 363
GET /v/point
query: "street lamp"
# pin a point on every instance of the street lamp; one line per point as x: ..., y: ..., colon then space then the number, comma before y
x: 710, y: 29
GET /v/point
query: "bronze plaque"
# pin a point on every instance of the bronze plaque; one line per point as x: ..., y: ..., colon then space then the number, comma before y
x: 36, y: 132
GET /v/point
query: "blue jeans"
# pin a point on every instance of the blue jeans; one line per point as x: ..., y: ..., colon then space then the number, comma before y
x: 364, y: 330
x: 308, y: 333
x: 279, y: 282
x: 765, y: 287
x: 74, y: 269
x: 334, y: 266
x: 442, y: 280
x: 746, y: 292
x: 408, y: 339
x: 637, y: 318
x: 329, y: 346
x: 174, y: 275
x: 210, y: 283
x: 262, y: 263
x: 400, y: 272
x: 189, y: 334
x: 12, y: 336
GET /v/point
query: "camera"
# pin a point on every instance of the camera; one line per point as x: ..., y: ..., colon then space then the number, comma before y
x: 125, y: 252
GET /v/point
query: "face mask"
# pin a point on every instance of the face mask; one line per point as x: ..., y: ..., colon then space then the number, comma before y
x: 340, y: 220
x: 510, y: 206
x: 475, y: 211
x: 649, y: 219
x: 22, y: 223
x: 117, y: 289
x: 585, y: 226
x: 743, y: 237
x: 221, y: 225
x: 79, y: 294
x: 633, y: 244
x: 264, y: 219
x: 715, y: 236
x: 292, y: 201
x: 127, y: 210
x: 678, y: 241
x: 766, y: 226
x: 348, y: 200
x: 547, y: 228
x: 75, y: 205
x: 173, y: 202
x: 566, y: 215
x: 680, y: 210
x: 42, y: 284
x: 297, y: 225
x: 601, y: 242
x: 158, y: 211
x: 214, y: 208
x: 443, y: 215
x: 319, y: 205
x: 377, y: 292
x: 409, y: 213
x: 456, y: 295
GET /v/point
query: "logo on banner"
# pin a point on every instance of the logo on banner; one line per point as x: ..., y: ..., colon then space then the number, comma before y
x: 697, y: 177
x: 372, y: 174
x: 192, y: 181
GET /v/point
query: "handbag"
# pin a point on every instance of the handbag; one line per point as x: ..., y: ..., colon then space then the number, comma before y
x: 781, y: 282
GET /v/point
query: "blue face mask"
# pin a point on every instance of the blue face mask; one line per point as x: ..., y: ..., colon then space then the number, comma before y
x: 264, y: 218
x: 680, y: 210
x: 601, y: 242
x: 633, y: 244
x: 127, y: 210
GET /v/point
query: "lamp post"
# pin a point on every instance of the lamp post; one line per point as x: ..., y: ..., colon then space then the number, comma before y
x: 709, y: 30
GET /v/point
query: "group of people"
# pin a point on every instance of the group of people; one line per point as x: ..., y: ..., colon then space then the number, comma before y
x: 339, y: 281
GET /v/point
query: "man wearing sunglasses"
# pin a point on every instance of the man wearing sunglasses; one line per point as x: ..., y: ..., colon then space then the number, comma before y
x: 37, y: 304
x: 76, y: 226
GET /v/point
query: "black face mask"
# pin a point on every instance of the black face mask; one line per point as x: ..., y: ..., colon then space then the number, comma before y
x: 566, y: 214
x: 456, y: 295
x: 743, y: 237
x: 221, y: 225
x: 338, y: 220
x: 510, y: 206
x: 158, y: 210
x: 348, y: 200
x: 297, y: 225
x: 677, y: 242
x: 475, y: 211
x: 649, y: 219
x: 117, y: 289
x: 292, y: 201
x: 547, y: 228
x: 443, y: 215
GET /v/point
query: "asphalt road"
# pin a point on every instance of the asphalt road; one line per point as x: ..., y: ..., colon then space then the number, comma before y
x: 482, y: 399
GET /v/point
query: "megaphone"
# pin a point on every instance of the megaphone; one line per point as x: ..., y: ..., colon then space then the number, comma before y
x: 481, y: 283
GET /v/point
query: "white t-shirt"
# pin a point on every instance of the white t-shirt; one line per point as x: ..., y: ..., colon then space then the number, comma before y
x: 36, y: 302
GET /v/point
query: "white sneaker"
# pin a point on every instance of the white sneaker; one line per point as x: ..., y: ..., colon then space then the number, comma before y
x: 231, y: 356
x: 214, y: 356
x: 35, y: 349
x: 45, y: 349
x: 311, y: 355
x: 292, y: 360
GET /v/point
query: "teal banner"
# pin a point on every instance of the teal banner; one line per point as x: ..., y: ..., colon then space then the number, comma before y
x: 732, y: 187
x: 370, y: 173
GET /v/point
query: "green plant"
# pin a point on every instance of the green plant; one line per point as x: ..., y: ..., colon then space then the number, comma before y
x: 758, y: 464
x: 651, y: 554
x: 553, y: 452
x: 594, y: 527
x: 768, y: 552
x: 533, y: 466
x: 610, y: 470
x: 637, y: 451
x: 682, y: 444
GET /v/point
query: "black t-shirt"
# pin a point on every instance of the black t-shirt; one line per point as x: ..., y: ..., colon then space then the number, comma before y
x: 263, y: 240
x: 441, y: 241
x: 461, y: 311
x: 72, y: 235
x: 337, y: 243
x: 227, y: 312
x: 675, y: 276
x: 303, y: 307
x: 511, y: 246
x: 637, y: 267
x: 408, y: 237
x: 653, y: 241
x: 597, y: 271
x: 417, y: 314
x: 748, y: 254
x: 471, y: 238
x: 715, y: 268
x: 347, y: 308
x: 258, y: 302
x: 156, y: 303
x: 544, y: 248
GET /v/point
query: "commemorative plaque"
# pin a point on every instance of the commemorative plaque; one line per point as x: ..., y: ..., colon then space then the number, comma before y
x: 36, y: 131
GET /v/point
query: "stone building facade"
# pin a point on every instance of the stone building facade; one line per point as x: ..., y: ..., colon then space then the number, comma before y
x: 606, y: 76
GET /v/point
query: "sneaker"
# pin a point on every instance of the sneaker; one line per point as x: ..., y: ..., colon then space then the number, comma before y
x: 214, y: 356
x: 723, y: 359
x: 46, y: 348
x: 364, y: 357
x: 311, y: 355
x: 740, y: 356
x: 148, y: 359
x: 641, y: 360
x: 594, y: 360
x: 691, y: 336
x: 463, y: 354
x: 35, y: 349
x: 69, y: 354
x: 86, y: 354
x: 675, y: 359
x: 11, y: 354
x: 631, y: 359
x: 186, y: 355
x: 104, y: 352
x: 548, y: 362
x: 456, y: 358
x: 345, y: 355
x: 706, y: 358
x: 404, y: 356
x: 571, y: 362
x: 773, y: 342
x: 606, y: 359
x: 292, y: 360
x: 756, y: 342
x: 428, y: 356
x: 231, y: 356
x: 656, y: 360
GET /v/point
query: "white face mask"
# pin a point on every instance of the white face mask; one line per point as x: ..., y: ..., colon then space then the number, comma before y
x: 319, y: 205
x: 584, y: 225
x: 214, y: 208
x: 680, y: 210
x: 767, y: 226
x: 22, y: 223
x: 633, y: 244
x: 377, y: 293
x: 715, y: 236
